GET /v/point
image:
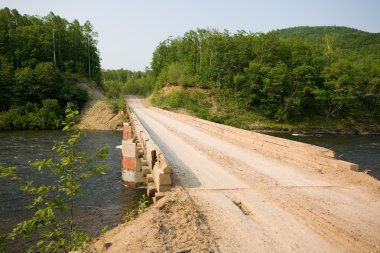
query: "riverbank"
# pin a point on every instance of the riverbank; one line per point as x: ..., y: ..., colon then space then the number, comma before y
x: 214, y: 105
x: 97, y: 114
x: 173, y: 224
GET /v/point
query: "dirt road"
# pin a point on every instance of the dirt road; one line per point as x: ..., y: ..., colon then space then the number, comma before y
x: 254, y: 203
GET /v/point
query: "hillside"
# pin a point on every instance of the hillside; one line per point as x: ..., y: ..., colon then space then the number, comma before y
x: 351, y: 43
x: 345, y: 37
x: 305, y: 78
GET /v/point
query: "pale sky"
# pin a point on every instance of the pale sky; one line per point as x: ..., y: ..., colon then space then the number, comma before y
x: 129, y: 31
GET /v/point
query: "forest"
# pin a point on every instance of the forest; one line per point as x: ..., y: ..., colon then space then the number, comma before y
x: 41, y: 60
x: 306, y: 76
x: 295, y: 77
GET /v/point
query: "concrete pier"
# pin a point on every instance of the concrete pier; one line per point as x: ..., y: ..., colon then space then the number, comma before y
x: 142, y: 161
x: 129, y: 160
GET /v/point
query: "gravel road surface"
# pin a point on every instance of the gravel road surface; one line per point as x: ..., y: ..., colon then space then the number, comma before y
x: 255, y: 203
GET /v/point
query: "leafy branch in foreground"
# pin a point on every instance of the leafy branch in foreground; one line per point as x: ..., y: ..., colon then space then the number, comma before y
x: 53, y: 204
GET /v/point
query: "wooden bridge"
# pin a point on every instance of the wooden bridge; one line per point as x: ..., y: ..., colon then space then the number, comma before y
x: 259, y: 193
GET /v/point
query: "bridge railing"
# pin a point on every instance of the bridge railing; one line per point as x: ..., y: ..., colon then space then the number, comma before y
x: 301, y: 154
x: 142, y: 161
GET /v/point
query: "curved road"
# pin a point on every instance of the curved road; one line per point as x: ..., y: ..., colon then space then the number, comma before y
x: 255, y: 203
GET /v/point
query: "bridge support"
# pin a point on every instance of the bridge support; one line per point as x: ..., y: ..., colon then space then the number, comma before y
x: 130, y: 163
x: 143, y: 162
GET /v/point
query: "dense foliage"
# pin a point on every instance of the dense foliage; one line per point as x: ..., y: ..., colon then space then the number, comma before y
x: 37, y: 54
x: 127, y: 82
x: 30, y: 116
x: 331, y: 73
x: 117, y: 83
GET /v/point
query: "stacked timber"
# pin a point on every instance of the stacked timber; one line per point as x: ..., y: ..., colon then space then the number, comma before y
x: 151, y: 162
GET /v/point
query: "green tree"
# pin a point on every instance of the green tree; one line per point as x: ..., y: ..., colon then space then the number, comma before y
x: 6, y: 75
x: 179, y: 74
x: 24, y: 86
x: 48, y: 81
x: 338, y: 92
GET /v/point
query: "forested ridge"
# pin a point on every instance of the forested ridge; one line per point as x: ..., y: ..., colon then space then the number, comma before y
x: 344, y: 37
x: 41, y: 59
x: 303, y: 77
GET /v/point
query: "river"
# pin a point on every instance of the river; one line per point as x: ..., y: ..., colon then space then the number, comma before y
x: 360, y: 149
x: 105, y: 199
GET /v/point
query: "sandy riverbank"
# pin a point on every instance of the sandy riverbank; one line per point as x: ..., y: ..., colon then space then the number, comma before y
x: 97, y: 114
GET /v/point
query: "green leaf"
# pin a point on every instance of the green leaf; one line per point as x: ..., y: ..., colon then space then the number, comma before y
x: 39, y: 243
x: 105, y: 228
x: 85, y: 176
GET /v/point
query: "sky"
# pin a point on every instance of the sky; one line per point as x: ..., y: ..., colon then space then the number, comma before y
x: 129, y: 31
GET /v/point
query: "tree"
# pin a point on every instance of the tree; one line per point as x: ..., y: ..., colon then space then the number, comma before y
x: 6, y: 82
x: 48, y: 81
x: 290, y: 75
x: 338, y: 91
x: 24, y: 84
x: 179, y: 74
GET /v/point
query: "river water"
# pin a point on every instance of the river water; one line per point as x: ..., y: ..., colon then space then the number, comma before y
x: 360, y: 149
x: 105, y: 199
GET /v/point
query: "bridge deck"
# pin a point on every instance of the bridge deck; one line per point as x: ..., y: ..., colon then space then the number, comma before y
x: 257, y: 203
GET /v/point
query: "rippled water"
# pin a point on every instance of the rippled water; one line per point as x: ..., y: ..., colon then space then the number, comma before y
x: 361, y: 149
x: 105, y: 199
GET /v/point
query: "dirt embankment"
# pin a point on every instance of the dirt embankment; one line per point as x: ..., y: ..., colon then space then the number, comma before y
x: 97, y: 115
x: 174, y: 224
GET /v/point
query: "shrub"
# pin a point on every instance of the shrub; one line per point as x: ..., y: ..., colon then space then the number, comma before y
x: 30, y: 116
x: 176, y: 73
x: 192, y: 100
x: 74, y: 94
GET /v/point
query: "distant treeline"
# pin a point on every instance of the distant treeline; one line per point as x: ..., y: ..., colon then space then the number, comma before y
x: 291, y: 75
x: 124, y: 81
x: 40, y: 57
x: 118, y: 83
x: 282, y: 79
